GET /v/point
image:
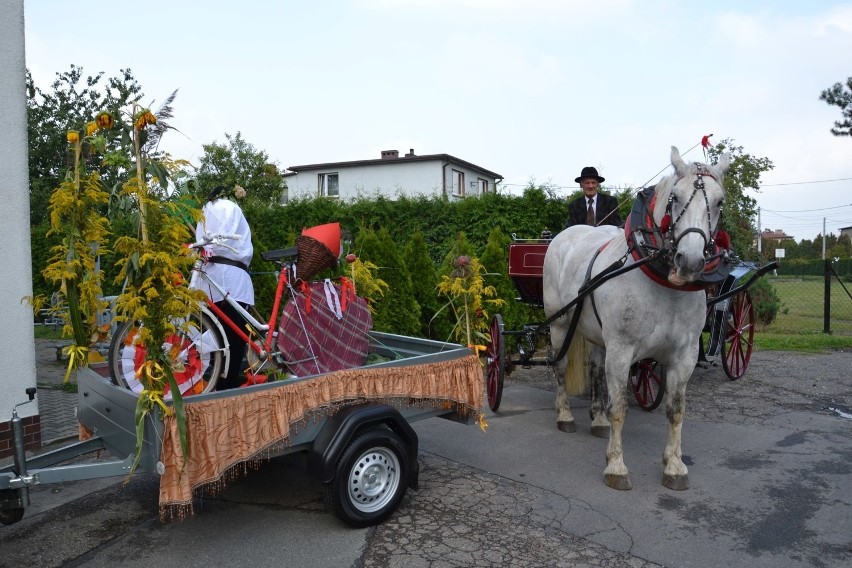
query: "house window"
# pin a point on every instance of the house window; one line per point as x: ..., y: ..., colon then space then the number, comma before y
x: 483, y: 186
x: 458, y: 183
x: 328, y: 185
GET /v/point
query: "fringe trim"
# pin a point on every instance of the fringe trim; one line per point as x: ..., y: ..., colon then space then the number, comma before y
x: 230, y: 437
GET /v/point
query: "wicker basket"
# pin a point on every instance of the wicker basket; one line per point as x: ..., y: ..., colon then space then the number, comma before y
x: 314, y: 257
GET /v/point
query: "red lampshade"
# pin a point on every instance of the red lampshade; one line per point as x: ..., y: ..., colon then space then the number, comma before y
x: 328, y: 234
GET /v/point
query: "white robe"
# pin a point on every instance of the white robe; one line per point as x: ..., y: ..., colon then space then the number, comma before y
x: 224, y: 217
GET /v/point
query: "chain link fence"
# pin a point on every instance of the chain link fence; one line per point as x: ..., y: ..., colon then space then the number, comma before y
x: 815, y: 297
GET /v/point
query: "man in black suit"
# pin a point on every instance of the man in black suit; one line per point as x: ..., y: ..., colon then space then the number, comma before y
x: 593, y: 208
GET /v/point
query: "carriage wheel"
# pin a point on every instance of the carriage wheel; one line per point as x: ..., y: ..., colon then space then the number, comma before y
x: 739, y: 335
x: 648, y: 379
x: 495, y: 363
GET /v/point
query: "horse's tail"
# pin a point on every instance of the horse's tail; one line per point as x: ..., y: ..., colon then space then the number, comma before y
x: 577, y: 371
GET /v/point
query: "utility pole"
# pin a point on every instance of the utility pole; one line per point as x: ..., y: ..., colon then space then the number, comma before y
x: 759, y: 236
x: 823, y: 238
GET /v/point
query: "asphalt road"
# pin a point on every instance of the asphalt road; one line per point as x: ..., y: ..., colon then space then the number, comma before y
x: 770, y: 459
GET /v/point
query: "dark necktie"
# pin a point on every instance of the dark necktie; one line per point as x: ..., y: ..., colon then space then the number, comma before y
x: 590, y: 212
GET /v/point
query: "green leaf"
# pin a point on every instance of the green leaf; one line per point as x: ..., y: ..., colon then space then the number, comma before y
x: 180, y: 412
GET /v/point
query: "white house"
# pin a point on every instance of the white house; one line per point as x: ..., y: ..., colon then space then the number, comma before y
x: 17, y: 343
x: 391, y: 175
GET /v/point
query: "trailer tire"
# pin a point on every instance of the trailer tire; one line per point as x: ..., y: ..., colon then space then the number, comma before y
x: 370, y: 479
x: 11, y: 516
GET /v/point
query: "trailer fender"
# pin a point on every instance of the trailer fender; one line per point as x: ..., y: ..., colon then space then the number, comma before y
x: 339, y: 430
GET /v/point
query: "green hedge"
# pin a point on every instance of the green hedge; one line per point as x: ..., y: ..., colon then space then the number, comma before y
x: 802, y: 267
x: 479, y: 226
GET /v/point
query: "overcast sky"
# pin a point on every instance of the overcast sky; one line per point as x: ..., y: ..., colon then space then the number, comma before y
x: 530, y: 89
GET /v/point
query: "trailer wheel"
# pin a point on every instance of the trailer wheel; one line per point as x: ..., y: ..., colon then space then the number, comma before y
x: 10, y: 516
x: 370, y: 479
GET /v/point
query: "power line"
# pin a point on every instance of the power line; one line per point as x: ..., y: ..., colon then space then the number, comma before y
x: 805, y: 210
x: 626, y: 186
x: 804, y: 182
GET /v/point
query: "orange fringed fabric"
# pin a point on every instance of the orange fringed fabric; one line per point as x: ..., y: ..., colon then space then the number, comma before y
x: 227, y: 436
x: 83, y: 433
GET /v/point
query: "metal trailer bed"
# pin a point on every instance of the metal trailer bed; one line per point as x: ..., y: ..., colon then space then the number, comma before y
x: 108, y: 411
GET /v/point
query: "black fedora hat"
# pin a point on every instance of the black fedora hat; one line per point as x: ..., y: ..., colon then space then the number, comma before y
x: 589, y: 172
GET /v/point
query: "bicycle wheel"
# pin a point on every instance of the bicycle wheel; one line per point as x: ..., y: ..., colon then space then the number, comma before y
x: 648, y: 379
x: 739, y: 335
x: 197, y: 351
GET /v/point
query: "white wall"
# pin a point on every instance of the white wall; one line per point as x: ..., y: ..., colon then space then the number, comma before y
x: 390, y: 179
x: 411, y: 178
x: 17, y: 348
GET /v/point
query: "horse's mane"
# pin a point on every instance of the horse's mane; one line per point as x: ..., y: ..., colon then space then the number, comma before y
x: 662, y: 192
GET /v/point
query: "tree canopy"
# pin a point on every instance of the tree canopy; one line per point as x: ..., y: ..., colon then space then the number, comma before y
x: 842, y: 98
x: 73, y: 100
x: 239, y: 163
x: 740, y: 209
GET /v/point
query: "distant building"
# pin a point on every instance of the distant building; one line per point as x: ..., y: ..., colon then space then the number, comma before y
x: 846, y: 231
x: 778, y: 236
x: 390, y: 175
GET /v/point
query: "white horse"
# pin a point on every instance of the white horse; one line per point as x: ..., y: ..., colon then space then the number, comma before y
x: 631, y: 316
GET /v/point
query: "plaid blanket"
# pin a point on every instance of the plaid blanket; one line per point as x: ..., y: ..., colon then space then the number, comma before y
x: 324, y: 328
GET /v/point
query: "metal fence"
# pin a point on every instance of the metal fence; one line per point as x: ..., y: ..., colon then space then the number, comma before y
x: 813, y: 303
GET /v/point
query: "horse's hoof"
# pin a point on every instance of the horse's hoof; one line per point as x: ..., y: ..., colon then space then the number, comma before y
x: 676, y: 482
x: 566, y: 426
x: 600, y: 431
x: 620, y: 482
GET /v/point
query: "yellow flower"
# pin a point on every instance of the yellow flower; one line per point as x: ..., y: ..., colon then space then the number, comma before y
x: 104, y: 120
x: 91, y: 128
x: 142, y: 118
x: 73, y: 136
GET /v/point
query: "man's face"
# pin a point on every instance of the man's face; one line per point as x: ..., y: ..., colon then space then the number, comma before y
x: 590, y: 186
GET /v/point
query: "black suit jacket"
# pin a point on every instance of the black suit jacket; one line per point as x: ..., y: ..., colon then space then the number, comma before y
x: 606, y: 211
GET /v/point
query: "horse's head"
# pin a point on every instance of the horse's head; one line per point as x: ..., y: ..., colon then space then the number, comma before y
x: 692, y: 199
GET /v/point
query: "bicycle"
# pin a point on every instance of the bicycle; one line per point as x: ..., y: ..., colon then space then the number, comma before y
x: 199, y: 349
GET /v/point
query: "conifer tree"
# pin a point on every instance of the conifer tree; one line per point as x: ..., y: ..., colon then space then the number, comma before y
x: 424, y: 280
x: 397, y: 310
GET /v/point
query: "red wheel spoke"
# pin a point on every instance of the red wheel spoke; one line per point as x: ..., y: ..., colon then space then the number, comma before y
x: 495, y: 363
x: 739, y: 336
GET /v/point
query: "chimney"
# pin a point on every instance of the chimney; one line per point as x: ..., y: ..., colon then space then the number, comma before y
x: 410, y: 153
x: 390, y: 154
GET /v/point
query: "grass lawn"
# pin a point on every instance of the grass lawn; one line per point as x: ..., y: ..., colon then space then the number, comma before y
x: 802, y: 306
x: 47, y: 332
x: 800, y: 321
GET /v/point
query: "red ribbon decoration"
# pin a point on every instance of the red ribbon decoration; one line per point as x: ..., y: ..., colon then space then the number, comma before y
x: 705, y: 140
x: 664, y: 224
x: 306, y: 290
x: 347, y: 292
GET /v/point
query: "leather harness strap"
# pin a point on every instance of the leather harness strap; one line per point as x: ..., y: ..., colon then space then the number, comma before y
x: 228, y: 261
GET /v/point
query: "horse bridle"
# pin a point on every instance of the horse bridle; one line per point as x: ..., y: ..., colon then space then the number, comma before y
x: 669, y: 232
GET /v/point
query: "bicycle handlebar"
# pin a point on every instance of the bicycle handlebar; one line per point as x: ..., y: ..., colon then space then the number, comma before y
x: 217, y: 239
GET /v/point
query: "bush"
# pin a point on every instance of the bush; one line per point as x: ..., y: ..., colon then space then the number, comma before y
x: 766, y: 302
